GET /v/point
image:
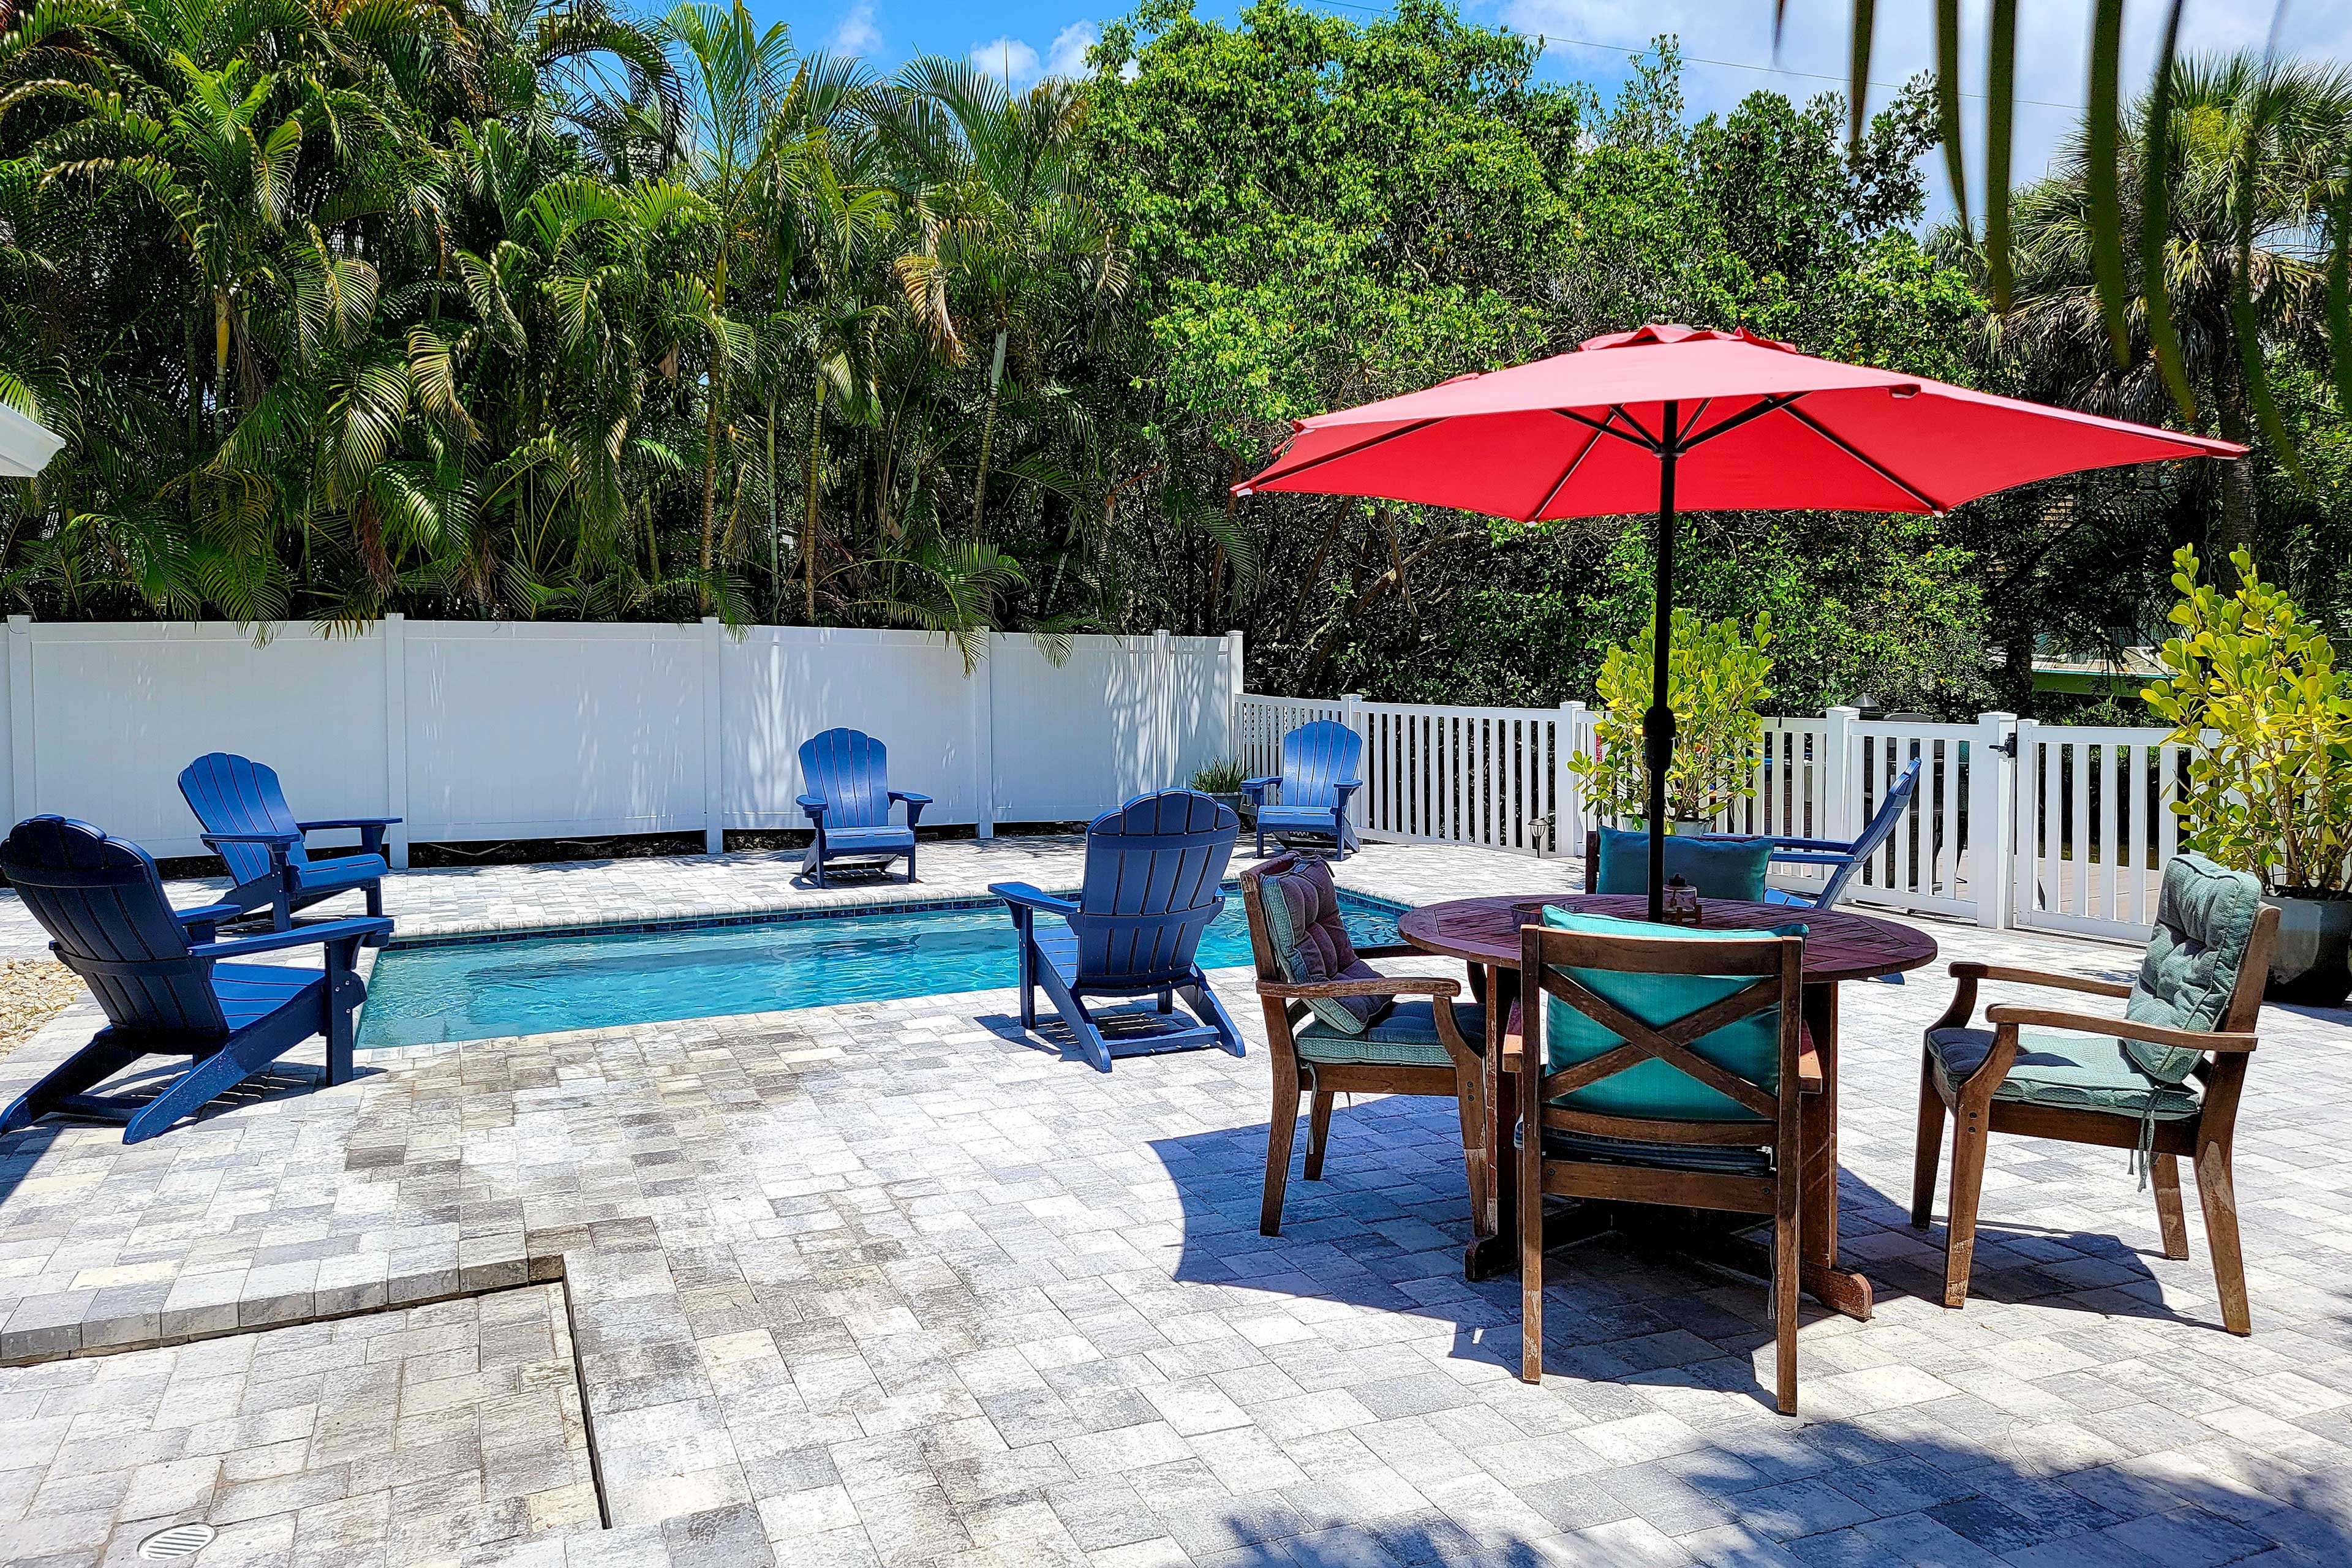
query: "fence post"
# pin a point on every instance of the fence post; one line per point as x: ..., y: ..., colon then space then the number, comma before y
x: 2025, y: 824
x: 1838, y: 807
x: 396, y: 737
x: 983, y: 682
x: 24, y: 777
x: 1235, y: 683
x: 1568, y: 826
x: 714, y: 794
x: 1163, y: 683
x: 1993, y: 820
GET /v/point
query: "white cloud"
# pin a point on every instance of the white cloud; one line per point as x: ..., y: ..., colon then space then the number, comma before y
x: 1020, y: 63
x: 857, y: 33
x: 1011, y: 59
x: 1067, y: 58
x: 2052, y: 52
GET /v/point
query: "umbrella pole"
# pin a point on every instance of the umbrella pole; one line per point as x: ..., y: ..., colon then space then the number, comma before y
x: 1658, y: 724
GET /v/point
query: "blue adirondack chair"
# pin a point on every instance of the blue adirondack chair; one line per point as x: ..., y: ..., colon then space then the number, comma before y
x: 1846, y: 857
x: 846, y: 773
x: 164, y: 993
x: 1320, y: 764
x: 1154, y: 868
x: 248, y: 823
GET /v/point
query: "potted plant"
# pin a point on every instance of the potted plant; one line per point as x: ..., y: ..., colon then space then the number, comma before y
x: 1717, y: 680
x: 2255, y: 695
x: 1221, y: 781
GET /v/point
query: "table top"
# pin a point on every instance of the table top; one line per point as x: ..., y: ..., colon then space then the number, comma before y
x: 1839, y: 944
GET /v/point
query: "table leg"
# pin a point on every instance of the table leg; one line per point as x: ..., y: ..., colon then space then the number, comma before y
x: 1841, y: 1289
x: 1493, y: 1246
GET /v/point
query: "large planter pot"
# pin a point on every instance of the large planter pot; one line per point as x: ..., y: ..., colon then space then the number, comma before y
x: 2312, y: 964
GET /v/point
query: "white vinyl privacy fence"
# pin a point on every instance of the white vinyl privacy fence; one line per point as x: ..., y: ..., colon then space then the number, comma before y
x: 478, y: 731
x: 2013, y: 823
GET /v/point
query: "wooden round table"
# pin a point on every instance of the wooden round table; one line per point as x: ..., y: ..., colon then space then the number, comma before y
x: 1840, y: 945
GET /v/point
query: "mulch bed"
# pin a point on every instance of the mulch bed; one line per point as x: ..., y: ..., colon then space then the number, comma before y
x: 31, y: 992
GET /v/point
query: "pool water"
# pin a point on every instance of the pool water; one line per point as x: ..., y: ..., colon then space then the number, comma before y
x: 485, y: 989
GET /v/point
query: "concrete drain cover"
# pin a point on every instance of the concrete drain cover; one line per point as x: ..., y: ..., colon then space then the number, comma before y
x: 179, y: 1540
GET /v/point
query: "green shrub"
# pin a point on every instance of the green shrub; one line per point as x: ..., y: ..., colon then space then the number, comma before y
x: 1716, y: 684
x: 2256, y: 698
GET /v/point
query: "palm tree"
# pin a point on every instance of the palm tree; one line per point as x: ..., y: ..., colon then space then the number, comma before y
x: 2257, y: 150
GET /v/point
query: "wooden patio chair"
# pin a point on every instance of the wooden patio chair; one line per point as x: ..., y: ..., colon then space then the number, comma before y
x: 1334, y: 1024
x: 2163, y: 1080
x: 1665, y: 1069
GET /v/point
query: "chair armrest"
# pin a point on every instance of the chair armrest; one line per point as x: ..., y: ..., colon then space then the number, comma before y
x: 348, y: 822
x: 300, y: 936
x: 251, y: 838
x: 2009, y: 976
x: 1255, y: 788
x: 1345, y: 788
x: 1808, y: 1069
x: 1021, y: 895
x: 912, y: 798
x: 1830, y: 845
x: 1386, y: 985
x: 210, y: 914
x: 813, y: 805
x: 2122, y: 1028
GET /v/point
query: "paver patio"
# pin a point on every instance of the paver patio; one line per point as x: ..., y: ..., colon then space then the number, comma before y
x: 887, y: 1283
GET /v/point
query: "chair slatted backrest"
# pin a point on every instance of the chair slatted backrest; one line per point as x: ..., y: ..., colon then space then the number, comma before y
x: 102, y: 903
x: 1315, y: 760
x: 1678, y: 1038
x: 230, y: 794
x: 1155, y: 868
x: 851, y: 771
x: 1891, y: 808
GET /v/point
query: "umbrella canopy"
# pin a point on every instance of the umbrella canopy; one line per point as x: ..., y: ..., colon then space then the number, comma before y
x: 1672, y: 416
x: 24, y: 446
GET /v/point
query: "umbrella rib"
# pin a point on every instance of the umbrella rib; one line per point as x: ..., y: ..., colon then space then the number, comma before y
x: 1605, y: 426
x: 1873, y: 464
x: 1363, y: 445
x: 1756, y: 410
x: 1566, y: 474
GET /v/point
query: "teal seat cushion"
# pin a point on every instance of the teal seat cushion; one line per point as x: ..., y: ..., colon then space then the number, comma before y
x: 2205, y: 917
x: 1310, y: 942
x: 1718, y: 865
x: 1406, y: 1035
x: 1714, y: 1159
x: 1655, y: 1089
x: 2076, y: 1072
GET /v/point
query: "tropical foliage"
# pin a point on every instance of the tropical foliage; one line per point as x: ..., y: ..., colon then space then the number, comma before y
x: 538, y: 308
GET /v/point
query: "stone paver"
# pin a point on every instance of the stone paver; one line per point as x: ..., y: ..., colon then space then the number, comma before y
x: 888, y: 1283
x: 407, y: 1436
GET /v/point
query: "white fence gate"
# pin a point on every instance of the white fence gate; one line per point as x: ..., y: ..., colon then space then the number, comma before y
x: 2011, y: 823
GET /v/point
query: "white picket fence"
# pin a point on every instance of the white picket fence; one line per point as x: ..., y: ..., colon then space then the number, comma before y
x: 2014, y: 824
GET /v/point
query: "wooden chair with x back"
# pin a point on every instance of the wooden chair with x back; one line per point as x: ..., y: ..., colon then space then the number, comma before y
x: 2164, y: 1079
x: 1672, y: 1066
x: 1334, y: 1024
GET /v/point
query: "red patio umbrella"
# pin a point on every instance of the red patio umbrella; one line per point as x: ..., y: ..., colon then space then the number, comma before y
x: 1669, y: 416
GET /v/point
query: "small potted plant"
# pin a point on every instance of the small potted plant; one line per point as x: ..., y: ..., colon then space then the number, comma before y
x: 2254, y: 694
x: 1717, y: 681
x: 1221, y: 781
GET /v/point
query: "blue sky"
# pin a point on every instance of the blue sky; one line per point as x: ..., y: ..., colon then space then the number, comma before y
x: 1587, y: 39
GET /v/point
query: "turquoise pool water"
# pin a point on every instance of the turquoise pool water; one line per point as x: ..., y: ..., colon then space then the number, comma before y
x: 476, y: 990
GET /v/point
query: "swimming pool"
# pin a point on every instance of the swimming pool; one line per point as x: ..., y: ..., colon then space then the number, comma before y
x: 530, y: 982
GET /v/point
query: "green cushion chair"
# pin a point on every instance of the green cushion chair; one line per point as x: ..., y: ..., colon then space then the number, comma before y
x: 2163, y: 1079
x: 1335, y: 1025
x: 1673, y: 1066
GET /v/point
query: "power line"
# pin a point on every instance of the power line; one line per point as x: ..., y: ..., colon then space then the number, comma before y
x: 1727, y: 65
